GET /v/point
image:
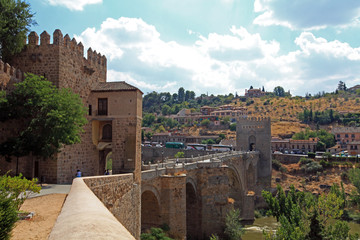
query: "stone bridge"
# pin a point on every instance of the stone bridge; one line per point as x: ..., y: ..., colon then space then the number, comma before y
x: 194, y: 195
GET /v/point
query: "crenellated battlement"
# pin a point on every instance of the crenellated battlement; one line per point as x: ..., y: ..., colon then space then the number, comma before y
x: 93, y: 57
x: 9, y: 74
x: 253, y: 119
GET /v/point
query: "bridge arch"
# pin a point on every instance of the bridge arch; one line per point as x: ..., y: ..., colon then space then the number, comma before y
x: 236, y: 187
x: 193, y: 210
x: 150, y: 207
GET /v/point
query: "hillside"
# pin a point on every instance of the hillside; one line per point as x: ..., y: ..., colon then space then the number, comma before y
x: 284, y: 111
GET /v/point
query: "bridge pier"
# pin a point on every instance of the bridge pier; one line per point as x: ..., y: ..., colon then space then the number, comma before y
x: 173, y: 204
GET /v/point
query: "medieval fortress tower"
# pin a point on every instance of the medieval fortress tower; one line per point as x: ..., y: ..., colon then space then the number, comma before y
x: 114, y: 116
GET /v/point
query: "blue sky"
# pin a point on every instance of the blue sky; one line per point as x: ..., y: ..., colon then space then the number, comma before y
x: 215, y: 46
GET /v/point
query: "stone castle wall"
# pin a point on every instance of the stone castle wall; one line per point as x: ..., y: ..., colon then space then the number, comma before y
x: 63, y: 63
x: 9, y: 75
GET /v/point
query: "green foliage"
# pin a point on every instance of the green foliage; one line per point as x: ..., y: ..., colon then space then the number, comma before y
x: 279, y: 91
x: 214, y: 237
x: 155, y: 234
x: 354, y: 176
x: 312, y: 167
x: 311, y: 155
x: 233, y: 228
x: 13, y: 192
x: 304, y: 216
x: 232, y: 127
x: 276, y: 164
x: 148, y: 120
x: 325, y: 137
x: 208, y: 141
x: 304, y: 160
x: 179, y: 155
x: 205, y: 123
x: 18, y: 188
x: 15, y: 21
x: 50, y: 118
x: 8, y: 216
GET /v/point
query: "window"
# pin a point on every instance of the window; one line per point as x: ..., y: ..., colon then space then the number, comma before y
x: 338, y: 135
x: 107, y: 132
x: 102, y: 106
x: 90, y: 110
x: 353, y: 135
x: 346, y: 135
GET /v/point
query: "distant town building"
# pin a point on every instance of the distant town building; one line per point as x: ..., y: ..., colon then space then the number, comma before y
x: 185, y: 116
x: 346, y: 135
x: 171, y: 137
x: 254, y: 92
x: 282, y: 145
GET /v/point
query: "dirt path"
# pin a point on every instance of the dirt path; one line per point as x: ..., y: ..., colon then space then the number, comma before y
x: 47, y: 209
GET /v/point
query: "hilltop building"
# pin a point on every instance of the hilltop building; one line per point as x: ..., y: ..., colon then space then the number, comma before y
x: 254, y: 92
x: 114, y: 116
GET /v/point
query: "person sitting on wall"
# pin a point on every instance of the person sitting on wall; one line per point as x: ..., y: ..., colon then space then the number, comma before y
x: 78, y: 173
x: 106, y: 172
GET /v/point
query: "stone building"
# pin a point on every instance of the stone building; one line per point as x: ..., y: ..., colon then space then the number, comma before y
x: 114, y: 116
x: 296, y: 146
x: 254, y: 134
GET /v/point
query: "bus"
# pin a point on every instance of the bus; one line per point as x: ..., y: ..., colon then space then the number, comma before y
x: 221, y: 148
x: 178, y: 145
x: 196, y: 146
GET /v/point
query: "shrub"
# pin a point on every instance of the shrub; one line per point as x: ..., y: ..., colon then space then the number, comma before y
x: 276, y: 164
x: 324, y: 163
x: 305, y: 160
x: 8, y: 216
x: 234, y: 230
x: 344, y: 176
x: 283, y: 169
x: 18, y: 188
x: 155, y: 234
x: 179, y: 155
x: 311, y: 155
x: 312, y: 167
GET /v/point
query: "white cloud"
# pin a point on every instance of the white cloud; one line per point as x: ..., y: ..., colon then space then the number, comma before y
x: 220, y: 63
x: 307, y: 14
x: 77, y: 5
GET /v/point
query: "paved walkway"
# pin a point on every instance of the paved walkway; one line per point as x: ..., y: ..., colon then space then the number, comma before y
x: 52, y: 188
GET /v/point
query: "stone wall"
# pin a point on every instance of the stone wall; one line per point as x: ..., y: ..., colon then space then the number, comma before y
x: 9, y: 75
x: 155, y: 154
x: 121, y: 195
x: 288, y: 158
x: 83, y: 216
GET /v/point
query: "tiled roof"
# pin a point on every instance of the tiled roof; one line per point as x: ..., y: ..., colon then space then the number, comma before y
x: 113, y: 86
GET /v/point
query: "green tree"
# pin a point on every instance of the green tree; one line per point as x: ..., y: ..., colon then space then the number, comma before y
x: 205, y: 123
x: 232, y: 127
x: 48, y: 118
x: 165, y: 109
x: 15, y: 21
x: 179, y: 155
x: 354, y: 176
x: 279, y: 91
x: 304, y: 216
x: 181, y: 95
x: 233, y: 228
x: 148, y: 119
